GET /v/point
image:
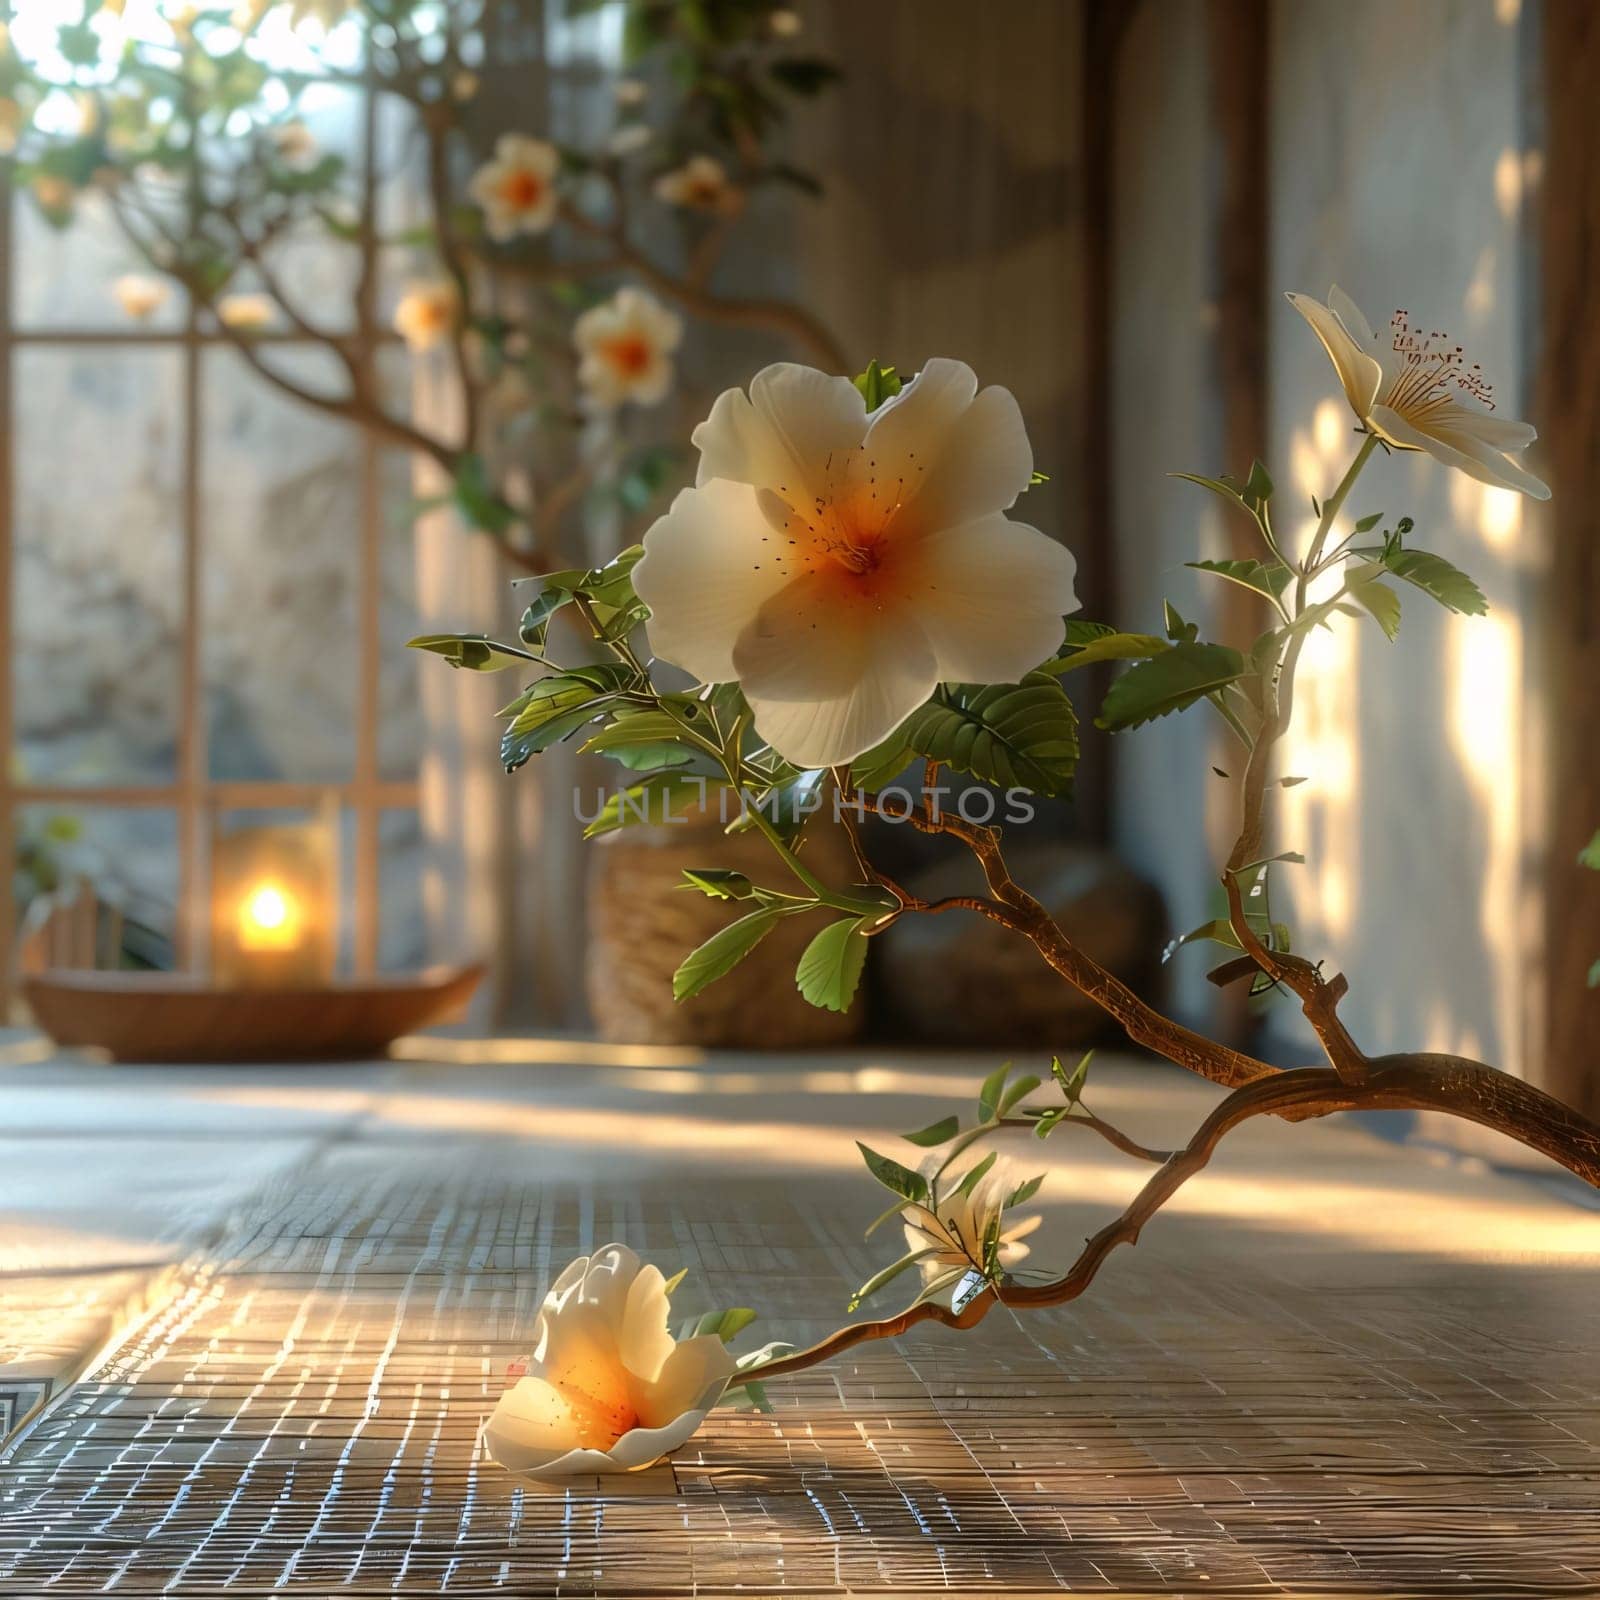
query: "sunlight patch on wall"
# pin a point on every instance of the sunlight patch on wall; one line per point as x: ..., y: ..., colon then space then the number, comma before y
x: 1484, y: 656
x: 1319, y: 817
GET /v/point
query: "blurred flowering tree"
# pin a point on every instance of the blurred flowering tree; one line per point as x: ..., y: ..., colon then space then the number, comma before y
x: 555, y: 281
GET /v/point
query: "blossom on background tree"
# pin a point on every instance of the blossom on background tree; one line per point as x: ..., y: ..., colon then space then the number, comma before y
x: 808, y: 486
x: 186, y: 125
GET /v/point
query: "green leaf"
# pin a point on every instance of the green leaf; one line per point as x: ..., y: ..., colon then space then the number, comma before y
x: 879, y: 1279
x: 726, y: 1325
x: 940, y: 1132
x: 1376, y: 597
x: 1225, y: 488
x: 830, y: 968
x: 641, y: 741
x: 1589, y: 856
x: 1072, y: 1082
x: 901, y: 1180
x: 473, y: 651
x: 1179, y: 631
x: 1023, y: 1192
x: 975, y: 1175
x: 554, y: 708
x: 1367, y: 524
x: 1108, y: 646
x: 723, y: 951
x: 477, y: 500
x: 1258, y: 486
x: 535, y: 622
x: 882, y: 763
x: 1016, y: 736
x: 1594, y: 976
x: 673, y: 1282
x: 1435, y: 576
x: 653, y: 800
x: 1019, y: 1090
x: 1292, y: 857
x: 877, y: 384
x: 719, y: 883
x: 1169, y: 682
x: 990, y: 1091
x: 1268, y: 578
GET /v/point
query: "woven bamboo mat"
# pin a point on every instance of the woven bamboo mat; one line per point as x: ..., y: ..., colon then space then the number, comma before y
x: 301, y: 1418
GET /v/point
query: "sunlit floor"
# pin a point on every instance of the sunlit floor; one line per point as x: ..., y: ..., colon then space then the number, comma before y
x: 274, y: 1305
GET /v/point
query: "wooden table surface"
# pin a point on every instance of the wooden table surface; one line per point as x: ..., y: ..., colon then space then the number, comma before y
x: 290, y: 1296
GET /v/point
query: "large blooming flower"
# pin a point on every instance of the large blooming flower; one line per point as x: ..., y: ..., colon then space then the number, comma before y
x: 625, y: 347
x: 841, y: 565
x: 1416, y: 392
x: 956, y: 1225
x: 608, y: 1389
x: 517, y: 190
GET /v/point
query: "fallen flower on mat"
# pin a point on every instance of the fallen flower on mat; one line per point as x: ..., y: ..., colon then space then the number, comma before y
x: 608, y: 1388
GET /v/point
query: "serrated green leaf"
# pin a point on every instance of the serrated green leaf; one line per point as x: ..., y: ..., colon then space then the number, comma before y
x: 882, y: 763
x: 830, y: 967
x: 1376, y: 598
x: 1432, y: 574
x: 990, y: 1091
x: 894, y: 1176
x: 1015, y: 736
x: 723, y: 951
x: 1268, y: 578
x: 641, y: 741
x: 556, y: 707
x: 940, y: 1132
x: 1169, y: 682
x: 1179, y: 631
x: 473, y: 651
x: 1108, y: 646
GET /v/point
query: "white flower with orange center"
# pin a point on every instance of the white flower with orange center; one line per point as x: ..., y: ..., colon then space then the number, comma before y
x: 608, y: 1389
x: 1416, y: 392
x: 426, y: 313
x: 517, y: 189
x: 139, y: 296
x: 625, y: 347
x: 840, y: 565
x: 700, y: 184
x: 246, y: 312
x: 963, y: 1226
x: 295, y: 144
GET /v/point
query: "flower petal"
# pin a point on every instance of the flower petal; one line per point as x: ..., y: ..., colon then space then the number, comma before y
x: 1499, y: 433
x: 694, y: 1374
x: 1351, y: 316
x: 1471, y: 456
x: 531, y: 1425
x: 990, y: 596
x: 646, y: 1343
x: 709, y: 565
x: 1358, y: 372
x: 947, y: 451
x: 829, y: 670
x: 788, y: 434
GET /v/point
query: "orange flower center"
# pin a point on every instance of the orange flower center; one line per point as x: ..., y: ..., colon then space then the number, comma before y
x: 601, y: 1419
x: 630, y: 354
x: 522, y: 190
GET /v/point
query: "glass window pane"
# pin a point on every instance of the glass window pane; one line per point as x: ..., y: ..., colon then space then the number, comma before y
x: 281, y: 527
x: 399, y: 670
x: 127, y: 856
x: 98, y: 602
x: 402, y: 936
x: 67, y: 277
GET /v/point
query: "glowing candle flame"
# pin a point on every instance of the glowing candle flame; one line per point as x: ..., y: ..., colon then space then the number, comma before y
x: 269, y: 919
